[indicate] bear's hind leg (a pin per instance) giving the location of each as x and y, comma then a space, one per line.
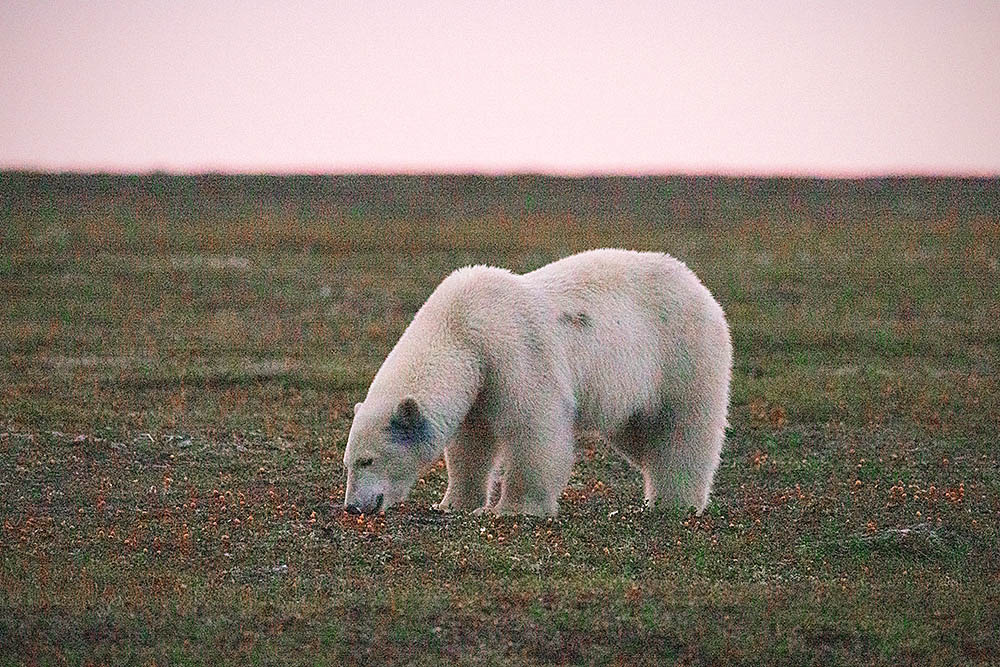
678, 469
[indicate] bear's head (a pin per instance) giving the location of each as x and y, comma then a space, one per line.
387, 446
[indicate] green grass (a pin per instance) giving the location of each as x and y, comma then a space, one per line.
179, 357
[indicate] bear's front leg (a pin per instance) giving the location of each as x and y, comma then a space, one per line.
537, 470
469, 465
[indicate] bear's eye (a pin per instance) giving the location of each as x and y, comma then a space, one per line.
363, 463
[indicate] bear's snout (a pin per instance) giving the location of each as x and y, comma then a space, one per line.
371, 508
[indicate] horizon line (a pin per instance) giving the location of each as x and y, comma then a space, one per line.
567, 174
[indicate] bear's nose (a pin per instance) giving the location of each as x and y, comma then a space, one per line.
352, 508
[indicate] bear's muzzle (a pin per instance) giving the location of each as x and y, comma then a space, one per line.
372, 508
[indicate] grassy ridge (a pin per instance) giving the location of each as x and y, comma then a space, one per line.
180, 356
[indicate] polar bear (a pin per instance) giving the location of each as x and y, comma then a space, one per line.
497, 371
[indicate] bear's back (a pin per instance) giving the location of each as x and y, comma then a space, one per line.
626, 320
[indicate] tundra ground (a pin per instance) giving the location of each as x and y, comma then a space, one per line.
180, 356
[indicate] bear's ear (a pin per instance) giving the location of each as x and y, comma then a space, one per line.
357, 407
407, 425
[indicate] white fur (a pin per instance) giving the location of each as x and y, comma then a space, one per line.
506, 368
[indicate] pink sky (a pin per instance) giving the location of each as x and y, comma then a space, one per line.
827, 88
